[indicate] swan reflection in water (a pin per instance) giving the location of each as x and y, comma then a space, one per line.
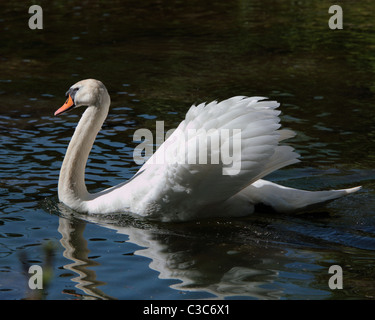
214, 257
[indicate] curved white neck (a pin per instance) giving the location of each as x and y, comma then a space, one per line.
71, 188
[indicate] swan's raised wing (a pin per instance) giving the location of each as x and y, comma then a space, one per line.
219, 149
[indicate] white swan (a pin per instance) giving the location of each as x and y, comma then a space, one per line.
176, 190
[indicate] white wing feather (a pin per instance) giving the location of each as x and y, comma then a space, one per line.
185, 186
174, 184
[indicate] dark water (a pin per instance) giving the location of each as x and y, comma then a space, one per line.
156, 59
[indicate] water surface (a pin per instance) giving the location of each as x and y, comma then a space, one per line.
156, 59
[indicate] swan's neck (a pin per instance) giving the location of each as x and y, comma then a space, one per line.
72, 189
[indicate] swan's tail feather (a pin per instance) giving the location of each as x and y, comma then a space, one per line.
286, 200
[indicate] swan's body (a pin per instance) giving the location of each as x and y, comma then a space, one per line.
180, 188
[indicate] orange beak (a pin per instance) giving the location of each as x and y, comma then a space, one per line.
67, 105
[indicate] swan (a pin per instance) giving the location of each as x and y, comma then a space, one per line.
175, 190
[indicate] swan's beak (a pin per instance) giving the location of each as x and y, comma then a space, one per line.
69, 104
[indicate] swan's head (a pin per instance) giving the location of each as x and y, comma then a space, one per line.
89, 92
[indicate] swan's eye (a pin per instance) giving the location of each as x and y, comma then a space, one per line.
71, 92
